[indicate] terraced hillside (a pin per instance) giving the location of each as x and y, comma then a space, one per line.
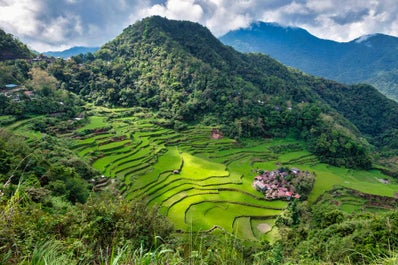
202, 184
194, 179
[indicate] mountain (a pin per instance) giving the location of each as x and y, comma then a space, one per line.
12, 48
369, 59
71, 52
181, 71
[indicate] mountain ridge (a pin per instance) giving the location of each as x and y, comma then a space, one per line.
73, 51
369, 59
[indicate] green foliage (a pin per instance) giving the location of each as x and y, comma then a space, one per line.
335, 146
50, 252
385, 80
81, 233
290, 216
63, 181
38, 93
333, 236
11, 48
109, 229
41, 82
110, 222
43, 164
15, 155
388, 140
354, 104
13, 72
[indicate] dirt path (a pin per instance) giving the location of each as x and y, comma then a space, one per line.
264, 228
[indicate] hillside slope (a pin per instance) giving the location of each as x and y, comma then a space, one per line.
371, 59
180, 70
11, 48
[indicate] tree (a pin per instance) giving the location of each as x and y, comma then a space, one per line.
42, 82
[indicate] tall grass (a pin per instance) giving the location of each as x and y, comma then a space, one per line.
194, 249
50, 252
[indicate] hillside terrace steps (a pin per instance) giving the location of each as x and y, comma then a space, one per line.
133, 153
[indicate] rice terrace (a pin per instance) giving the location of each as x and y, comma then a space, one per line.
203, 183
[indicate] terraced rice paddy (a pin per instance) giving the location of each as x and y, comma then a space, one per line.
351, 200
200, 183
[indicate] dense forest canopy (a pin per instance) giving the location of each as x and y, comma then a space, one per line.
11, 48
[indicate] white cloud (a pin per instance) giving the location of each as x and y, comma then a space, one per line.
49, 23
321, 6
19, 17
220, 16
55, 32
55, 24
176, 9
228, 15
341, 20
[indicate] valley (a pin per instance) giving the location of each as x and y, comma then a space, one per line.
194, 179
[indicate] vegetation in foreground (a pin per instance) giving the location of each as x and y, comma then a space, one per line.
109, 231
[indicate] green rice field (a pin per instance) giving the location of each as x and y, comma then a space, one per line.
204, 184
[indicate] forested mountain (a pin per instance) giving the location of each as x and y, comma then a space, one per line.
11, 48
371, 59
13, 71
183, 72
71, 52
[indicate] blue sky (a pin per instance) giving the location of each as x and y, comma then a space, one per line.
59, 24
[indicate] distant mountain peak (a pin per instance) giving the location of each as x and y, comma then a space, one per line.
71, 51
372, 58
191, 37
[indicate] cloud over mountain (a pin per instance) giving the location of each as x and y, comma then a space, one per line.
47, 24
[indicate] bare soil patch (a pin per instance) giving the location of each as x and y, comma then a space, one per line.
264, 227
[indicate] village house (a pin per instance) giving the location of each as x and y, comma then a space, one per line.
30, 94
11, 86
14, 92
274, 184
216, 134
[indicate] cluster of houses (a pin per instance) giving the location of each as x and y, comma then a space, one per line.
276, 185
14, 92
43, 58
